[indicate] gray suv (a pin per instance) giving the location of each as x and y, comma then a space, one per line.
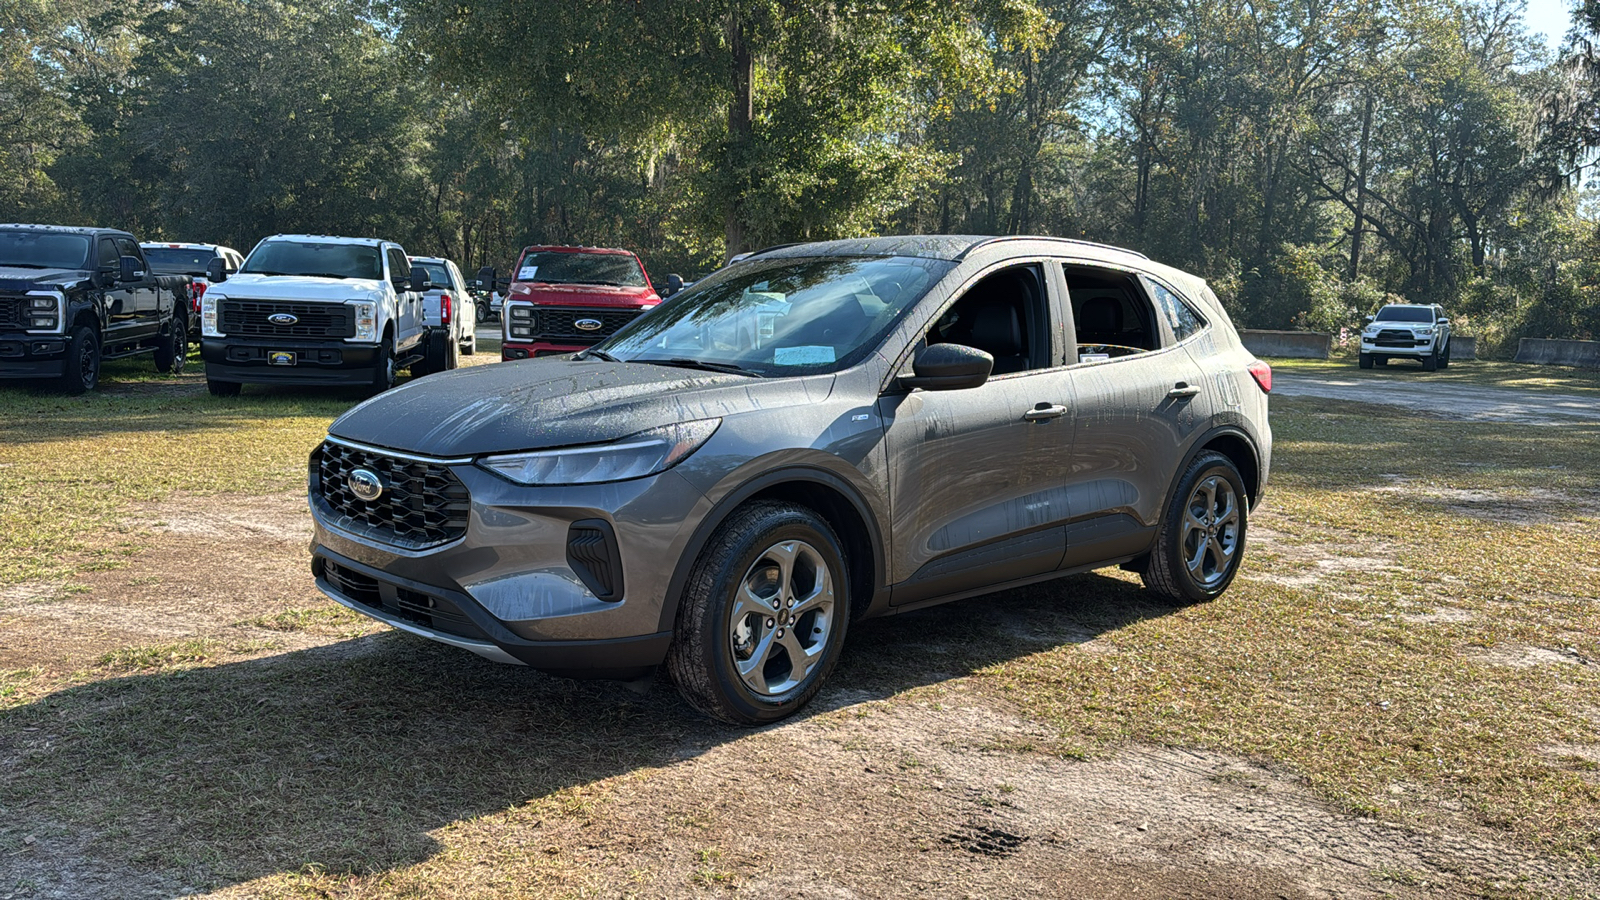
813, 435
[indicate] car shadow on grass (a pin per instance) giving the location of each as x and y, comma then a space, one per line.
346, 756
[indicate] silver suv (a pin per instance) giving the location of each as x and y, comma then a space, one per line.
810, 436
1406, 331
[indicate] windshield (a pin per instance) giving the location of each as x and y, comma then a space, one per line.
314, 258
780, 317
560, 267
43, 250
1405, 314
170, 261
437, 273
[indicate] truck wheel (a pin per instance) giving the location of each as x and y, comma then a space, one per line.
1444, 358
483, 312
81, 369
452, 353
173, 350
383, 370
471, 346
763, 615
1201, 538
223, 388
1364, 360
1430, 362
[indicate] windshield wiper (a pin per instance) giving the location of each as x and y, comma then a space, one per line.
683, 362
12, 265
598, 354
258, 272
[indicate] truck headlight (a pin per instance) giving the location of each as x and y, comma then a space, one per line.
635, 456
44, 314
366, 322
209, 326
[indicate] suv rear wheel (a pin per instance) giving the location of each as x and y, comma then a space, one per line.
763, 615
1201, 540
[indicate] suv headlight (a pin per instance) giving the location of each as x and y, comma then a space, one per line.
366, 321
635, 456
1425, 332
209, 325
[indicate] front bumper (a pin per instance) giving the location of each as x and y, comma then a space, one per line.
508, 588
510, 350
1418, 347
32, 355
244, 360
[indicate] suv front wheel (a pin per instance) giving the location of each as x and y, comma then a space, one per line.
1201, 539
763, 615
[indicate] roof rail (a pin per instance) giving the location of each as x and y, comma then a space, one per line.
1039, 237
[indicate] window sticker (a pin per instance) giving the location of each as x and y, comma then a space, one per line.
810, 355
527, 272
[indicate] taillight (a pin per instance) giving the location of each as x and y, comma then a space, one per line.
444, 309
1262, 373
197, 289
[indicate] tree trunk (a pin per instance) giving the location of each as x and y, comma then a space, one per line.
741, 119
1361, 194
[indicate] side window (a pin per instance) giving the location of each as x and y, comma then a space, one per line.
108, 253
1181, 317
126, 247
1005, 315
1111, 314
399, 267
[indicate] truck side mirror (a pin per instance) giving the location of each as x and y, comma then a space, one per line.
128, 269
419, 279
486, 278
674, 285
216, 271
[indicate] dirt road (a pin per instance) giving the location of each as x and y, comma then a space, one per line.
1451, 400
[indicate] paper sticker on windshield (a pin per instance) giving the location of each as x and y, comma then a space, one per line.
527, 272
803, 356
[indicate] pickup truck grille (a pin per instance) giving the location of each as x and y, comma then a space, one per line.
250, 318
11, 310
560, 325
1395, 337
423, 504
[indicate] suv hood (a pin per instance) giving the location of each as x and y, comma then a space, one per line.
21, 279
297, 287
555, 402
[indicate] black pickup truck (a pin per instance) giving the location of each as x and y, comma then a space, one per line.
73, 297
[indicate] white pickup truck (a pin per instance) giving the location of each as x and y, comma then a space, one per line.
313, 309
450, 314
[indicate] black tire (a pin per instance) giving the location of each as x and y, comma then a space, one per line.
452, 353
1364, 360
713, 622
1380, 361
435, 354
223, 388
482, 312
173, 350
471, 346
1430, 363
1185, 537
1444, 357
81, 368
383, 370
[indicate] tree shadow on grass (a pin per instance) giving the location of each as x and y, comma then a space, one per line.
346, 756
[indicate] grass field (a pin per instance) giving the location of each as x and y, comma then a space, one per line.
1415, 642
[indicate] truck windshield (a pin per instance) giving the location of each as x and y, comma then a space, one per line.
1405, 314
314, 259
43, 250
781, 316
175, 261
565, 267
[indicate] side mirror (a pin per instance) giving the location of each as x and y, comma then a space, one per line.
216, 271
1443, 322
419, 279
949, 367
128, 269
1368, 319
674, 285
486, 278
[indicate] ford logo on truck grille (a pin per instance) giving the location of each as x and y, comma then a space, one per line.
283, 319
587, 324
365, 484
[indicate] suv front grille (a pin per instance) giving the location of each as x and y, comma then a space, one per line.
560, 325
1395, 337
249, 318
11, 311
423, 504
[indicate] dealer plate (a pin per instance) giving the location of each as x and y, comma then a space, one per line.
280, 357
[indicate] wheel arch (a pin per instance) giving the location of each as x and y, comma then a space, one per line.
1237, 445
830, 496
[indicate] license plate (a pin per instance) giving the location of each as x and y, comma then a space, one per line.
280, 357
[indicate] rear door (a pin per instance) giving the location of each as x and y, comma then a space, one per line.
408, 311
122, 321
145, 300
1140, 400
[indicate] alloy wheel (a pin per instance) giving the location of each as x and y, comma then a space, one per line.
783, 611
1211, 531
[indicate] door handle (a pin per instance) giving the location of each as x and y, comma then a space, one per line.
1183, 390
1043, 412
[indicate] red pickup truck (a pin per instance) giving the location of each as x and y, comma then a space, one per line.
563, 299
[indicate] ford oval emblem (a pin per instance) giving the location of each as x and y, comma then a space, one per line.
283, 319
588, 324
365, 484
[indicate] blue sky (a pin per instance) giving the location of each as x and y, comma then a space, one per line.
1551, 17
